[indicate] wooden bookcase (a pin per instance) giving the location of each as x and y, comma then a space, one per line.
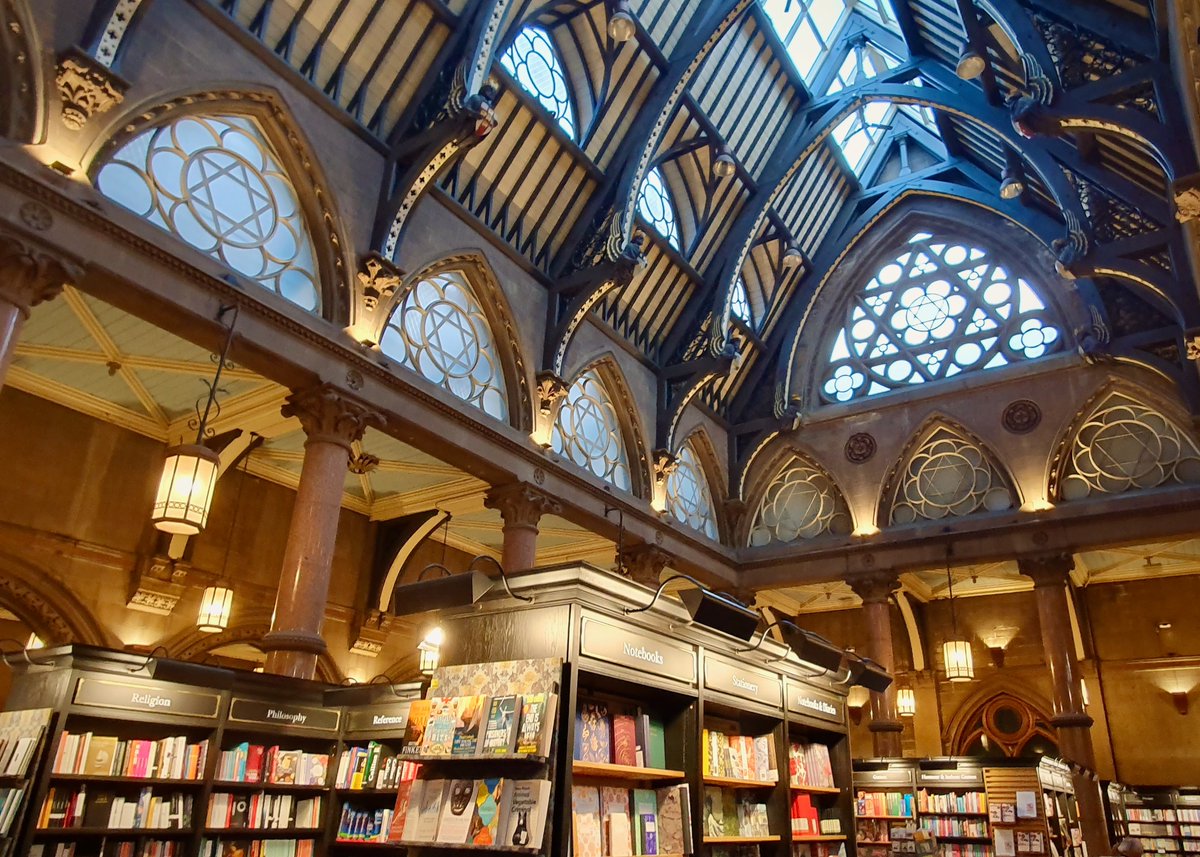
875, 816
952, 803
1166, 820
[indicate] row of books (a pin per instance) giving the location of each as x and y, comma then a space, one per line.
481, 725
71, 808
10, 803
364, 825
115, 848
610, 821
1192, 815
876, 804
809, 765
744, 757
951, 802
1153, 828
1137, 813
809, 820
872, 830
633, 738
946, 826
476, 812
375, 766
258, 848
729, 813
263, 811
254, 763
108, 756
818, 849
1190, 831
16, 749
1158, 844
958, 849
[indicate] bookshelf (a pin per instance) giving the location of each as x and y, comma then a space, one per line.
952, 804
22, 744
1166, 820
884, 799
1062, 813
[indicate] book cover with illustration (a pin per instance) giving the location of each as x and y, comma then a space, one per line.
714, 811
537, 723
458, 810
500, 733
670, 820
439, 730
586, 829
468, 724
593, 736
414, 730
624, 740
486, 823
524, 807
615, 821
645, 820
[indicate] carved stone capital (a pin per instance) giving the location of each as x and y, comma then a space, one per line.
521, 504
1187, 198
1052, 570
875, 587
375, 283
157, 584
644, 563
86, 88
329, 416
372, 633
1191, 342
551, 390
29, 275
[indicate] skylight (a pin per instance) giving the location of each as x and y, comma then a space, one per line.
809, 28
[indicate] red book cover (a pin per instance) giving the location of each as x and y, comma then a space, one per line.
624, 740
254, 763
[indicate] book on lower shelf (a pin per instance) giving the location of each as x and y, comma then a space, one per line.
368, 824
116, 847
609, 821
728, 812
482, 811
241, 847
98, 808
263, 811
818, 849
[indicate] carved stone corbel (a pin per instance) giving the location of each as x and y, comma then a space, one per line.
375, 283
157, 584
371, 633
86, 88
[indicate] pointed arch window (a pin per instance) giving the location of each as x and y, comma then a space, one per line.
938, 309
587, 430
801, 502
655, 204
216, 182
739, 302
440, 331
533, 62
949, 476
688, 496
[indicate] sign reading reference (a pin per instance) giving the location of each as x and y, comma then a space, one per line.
132, 696
379, 718
809, 701
636, 650
740, 681
279, 714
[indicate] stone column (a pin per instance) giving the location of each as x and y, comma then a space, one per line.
644, 563
1071, 721
28, 276
521, 507
332, 422
876, 590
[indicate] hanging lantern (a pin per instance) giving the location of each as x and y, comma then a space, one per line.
215, 607
906, 702
960, 666
185, 490
429, 650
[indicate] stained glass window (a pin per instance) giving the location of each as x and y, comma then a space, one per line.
688, 497
654, 204
440, 330
1124, 445
533, 62
217, 183
739, 302
800, 503
949, 475
938, 309
588, 431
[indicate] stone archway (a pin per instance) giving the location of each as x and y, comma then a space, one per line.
50, 609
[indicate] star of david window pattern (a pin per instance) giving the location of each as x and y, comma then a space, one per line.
655, 205
739, 303
801, 502
688, 497
949, 476
216, 182
1126, 446
940, 308
533, 62
440, 331
588, 431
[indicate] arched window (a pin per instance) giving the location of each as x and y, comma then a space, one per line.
655, 204
216, 182
938, 309
739, 302
949, 475
587, 430
801, 502
440, 331
533, 62
1124, 445
688, 496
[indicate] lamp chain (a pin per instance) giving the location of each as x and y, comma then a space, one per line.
237, 511
213, 388
950, 584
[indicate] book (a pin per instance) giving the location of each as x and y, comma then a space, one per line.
458, 808
656, 755
685, 805
586, 828
101, 754
500, 733
524, 807
624, 740
439, 730
645, 815
714, 812
406, 793
670, 820
537, 724
428, 812
485, 825
649, 840
593, 738
286, 767
414, 730
615, 823
470, 712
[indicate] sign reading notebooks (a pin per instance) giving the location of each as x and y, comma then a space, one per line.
379, 718
628, 647
740, 681
132, 696
280, 714
814, 703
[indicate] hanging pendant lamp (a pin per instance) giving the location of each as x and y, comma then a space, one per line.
906, 702
216, 605
956, 652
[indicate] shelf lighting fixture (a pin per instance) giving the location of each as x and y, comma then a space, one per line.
867, 673
906, 702
449, 590
956, 652
807, 646
622, 26
711, 609
970, 64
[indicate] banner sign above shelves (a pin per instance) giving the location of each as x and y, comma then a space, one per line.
156, 699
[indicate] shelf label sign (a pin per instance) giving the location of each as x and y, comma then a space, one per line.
739, 681
379, 718
891, 778
134, 696
809, 701
279, 714
973, 777
628, 647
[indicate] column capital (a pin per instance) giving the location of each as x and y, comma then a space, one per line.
521, 504
644, 563
330, 416
86, 87
30, 275
1051, 570
875, 587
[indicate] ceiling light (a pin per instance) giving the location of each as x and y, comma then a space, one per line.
622, 26
956, 653
906, 702
970, 64
792, 258
724, 166
1164, 626
710, 609
215, 607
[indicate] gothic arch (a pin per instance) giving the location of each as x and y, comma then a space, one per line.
47, 606
297, 157
710, 471
23, 82
782, 455
976, 716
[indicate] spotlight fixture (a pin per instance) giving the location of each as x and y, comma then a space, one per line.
184, 672
867, 673
724, 166
906, 702
429, 650
710, 609
1180, 698
1012, 180
792, 257
858, 697
440, 593
622, 26
970, 64
807, 646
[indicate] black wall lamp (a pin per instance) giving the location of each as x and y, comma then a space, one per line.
807, 646
449, 590
710, 609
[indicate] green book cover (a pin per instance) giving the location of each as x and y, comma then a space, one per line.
645, 803
657, 755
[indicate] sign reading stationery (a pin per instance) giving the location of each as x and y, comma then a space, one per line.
636, 650
135, 696
281, 714
737, 680
809, 701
